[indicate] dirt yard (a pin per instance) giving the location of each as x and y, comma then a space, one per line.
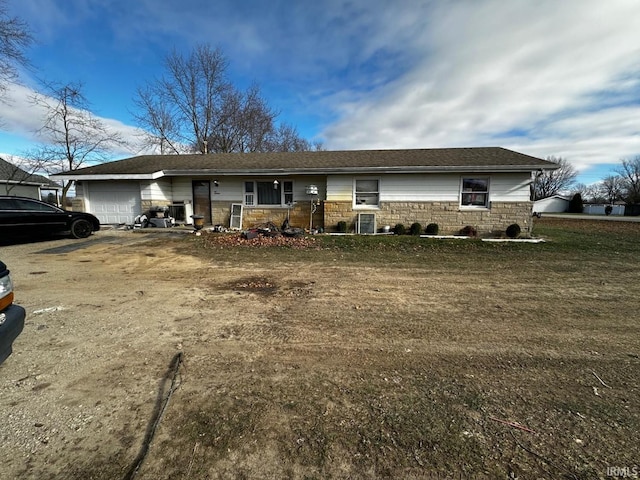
417, 362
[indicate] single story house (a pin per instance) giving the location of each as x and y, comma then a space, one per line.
19, 183
486, 187
552, 204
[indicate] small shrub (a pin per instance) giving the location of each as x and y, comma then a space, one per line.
608, 209
399, 229
415, 229
575, 204
513, 230
341, 227
469, 231
432, 229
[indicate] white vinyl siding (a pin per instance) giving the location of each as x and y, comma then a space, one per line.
555, 204
20, 190
510, 187
157, 190
340, 188
182, 190
436, 187
229, 189
420, 188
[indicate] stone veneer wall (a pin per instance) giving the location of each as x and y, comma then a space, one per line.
448, 215
298, 217
77, 205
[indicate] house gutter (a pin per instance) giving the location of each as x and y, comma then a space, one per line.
29, 184
110, 176
352, 171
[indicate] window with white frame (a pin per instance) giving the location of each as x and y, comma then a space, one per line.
268, 193
474, 193
367, 192
249, 196
287, 190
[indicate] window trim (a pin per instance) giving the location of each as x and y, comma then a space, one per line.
363, 206
255, 193
247, 194
287, 193
487, 193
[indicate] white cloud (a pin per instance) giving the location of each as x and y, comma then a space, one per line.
492, 67
545, 77
20, 116
17, 113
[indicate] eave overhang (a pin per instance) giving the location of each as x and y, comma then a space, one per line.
302, 171
353, 171
110, 176
29, 184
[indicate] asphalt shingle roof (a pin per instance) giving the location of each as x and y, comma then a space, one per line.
438, 159
11, 172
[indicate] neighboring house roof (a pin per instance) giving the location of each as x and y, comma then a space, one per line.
480, 159
552, 204
554, 197
10, 173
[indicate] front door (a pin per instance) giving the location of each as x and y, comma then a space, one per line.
202, 199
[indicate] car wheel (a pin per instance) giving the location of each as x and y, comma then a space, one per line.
81, 228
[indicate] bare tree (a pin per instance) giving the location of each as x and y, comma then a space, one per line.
72, 135
285, 138
245, 123
593, 193
249, 125
630, 177
194, 107
14, 39
158, 122
611, 188
553, 182
182, 109
584, 191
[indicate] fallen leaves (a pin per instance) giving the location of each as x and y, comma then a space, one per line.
231, 240
255, 283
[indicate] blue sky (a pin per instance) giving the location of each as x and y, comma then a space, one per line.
543, 77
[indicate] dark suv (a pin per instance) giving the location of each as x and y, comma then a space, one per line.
11, 316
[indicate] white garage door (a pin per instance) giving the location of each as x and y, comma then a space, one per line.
115, 202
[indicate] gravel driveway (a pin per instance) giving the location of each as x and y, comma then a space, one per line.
99, 335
